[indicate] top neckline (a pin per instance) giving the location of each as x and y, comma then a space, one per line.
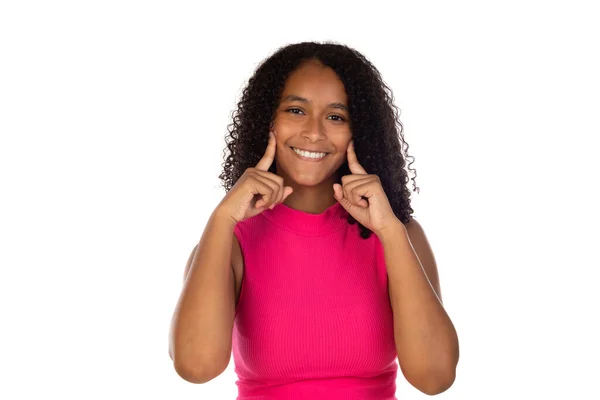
304, 223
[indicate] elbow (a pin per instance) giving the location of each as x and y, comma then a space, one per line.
191, 374
198, 373
438, 385
194, 368
435, 383
435, 376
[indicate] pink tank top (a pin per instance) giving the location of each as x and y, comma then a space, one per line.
314, 319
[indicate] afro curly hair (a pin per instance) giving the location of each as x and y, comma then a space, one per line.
375, 124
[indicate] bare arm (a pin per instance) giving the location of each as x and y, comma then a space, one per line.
200, 341
202, 324
425, 337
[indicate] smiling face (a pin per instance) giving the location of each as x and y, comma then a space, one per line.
312, 116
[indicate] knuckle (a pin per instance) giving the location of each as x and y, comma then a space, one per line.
275, 177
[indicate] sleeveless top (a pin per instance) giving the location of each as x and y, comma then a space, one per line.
314, 319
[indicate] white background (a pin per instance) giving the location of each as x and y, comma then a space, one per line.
113, 116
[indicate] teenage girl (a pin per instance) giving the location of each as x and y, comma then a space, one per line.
312, 271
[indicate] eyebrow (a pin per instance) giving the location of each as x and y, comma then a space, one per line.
293, 97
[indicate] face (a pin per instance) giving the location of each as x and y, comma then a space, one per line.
312, 126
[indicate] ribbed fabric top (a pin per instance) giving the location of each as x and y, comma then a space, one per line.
314, 320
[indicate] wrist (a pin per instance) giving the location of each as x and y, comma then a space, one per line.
392, 231
222, 217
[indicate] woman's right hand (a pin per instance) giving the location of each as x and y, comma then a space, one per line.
256, 190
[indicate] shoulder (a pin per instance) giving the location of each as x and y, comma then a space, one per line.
414, 228
422, 247
416, 232
253, 231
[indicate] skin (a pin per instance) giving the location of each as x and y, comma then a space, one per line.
321, 123
314, 124
425, 338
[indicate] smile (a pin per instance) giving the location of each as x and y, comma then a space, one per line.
309, 155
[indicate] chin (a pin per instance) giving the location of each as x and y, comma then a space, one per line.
309, 181
306, 175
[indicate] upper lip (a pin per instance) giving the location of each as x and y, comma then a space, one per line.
312, 151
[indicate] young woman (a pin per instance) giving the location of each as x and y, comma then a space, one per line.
311, 270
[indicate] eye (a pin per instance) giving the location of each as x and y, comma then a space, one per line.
337, 117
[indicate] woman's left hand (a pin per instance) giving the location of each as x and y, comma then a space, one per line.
363, 196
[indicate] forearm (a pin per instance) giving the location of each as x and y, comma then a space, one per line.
203, 320
425, 338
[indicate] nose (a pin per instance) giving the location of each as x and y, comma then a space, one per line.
314, 131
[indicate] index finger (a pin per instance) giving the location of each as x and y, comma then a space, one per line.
265, 162
353, 163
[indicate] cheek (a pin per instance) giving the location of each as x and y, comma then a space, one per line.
342, 145
278, 150
282, 122
345, 138
282, 132
340, 159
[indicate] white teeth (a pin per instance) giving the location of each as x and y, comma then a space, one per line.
309, 154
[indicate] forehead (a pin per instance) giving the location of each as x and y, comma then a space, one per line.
315, 81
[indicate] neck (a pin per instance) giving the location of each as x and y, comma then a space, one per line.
312, 200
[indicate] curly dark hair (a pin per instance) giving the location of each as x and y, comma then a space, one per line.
375, 124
